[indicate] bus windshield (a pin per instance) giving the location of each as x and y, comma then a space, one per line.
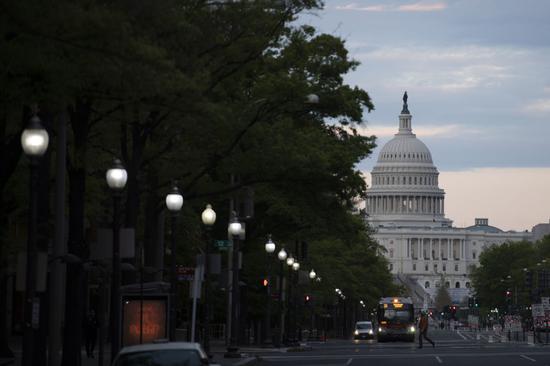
397, 315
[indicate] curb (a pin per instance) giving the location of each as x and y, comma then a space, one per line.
247, 361
7, 362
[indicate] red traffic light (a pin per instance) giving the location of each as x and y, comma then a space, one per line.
265, 282
307, 298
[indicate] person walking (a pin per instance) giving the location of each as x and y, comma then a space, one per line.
423, 329
91, 325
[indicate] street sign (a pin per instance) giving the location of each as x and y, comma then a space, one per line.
537, 310
223, 244
185, 273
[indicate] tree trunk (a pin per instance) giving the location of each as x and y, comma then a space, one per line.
44, 235
75, 287
154, 228
10, 153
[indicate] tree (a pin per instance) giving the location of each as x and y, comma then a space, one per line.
196, 91
442, 297
501, 269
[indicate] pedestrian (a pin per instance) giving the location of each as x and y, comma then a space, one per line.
423, 329
91, 325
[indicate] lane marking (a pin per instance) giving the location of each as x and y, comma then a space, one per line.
349, 362
528, 358
401, 356
460, 334
438, 359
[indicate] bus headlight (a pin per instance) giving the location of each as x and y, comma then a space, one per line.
356, 332
370, 331
412, 329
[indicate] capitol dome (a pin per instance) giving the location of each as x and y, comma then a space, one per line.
405, 189
405, 148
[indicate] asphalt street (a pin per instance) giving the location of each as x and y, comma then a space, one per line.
452, 348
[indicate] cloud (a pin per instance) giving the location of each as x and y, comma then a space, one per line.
441, 54
448, 69
538, 106
434, 130
422, 6
357, 7
413, 7
453, 79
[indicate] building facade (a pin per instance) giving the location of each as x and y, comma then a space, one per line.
406, 208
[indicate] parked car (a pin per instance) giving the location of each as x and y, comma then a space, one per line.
363, 330
162, 354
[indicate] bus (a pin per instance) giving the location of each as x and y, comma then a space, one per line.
396, 319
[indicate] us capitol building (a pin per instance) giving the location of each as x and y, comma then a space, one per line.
406, 208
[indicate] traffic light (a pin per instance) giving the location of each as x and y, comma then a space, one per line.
265, 283
307, 299
470, 302
452, 309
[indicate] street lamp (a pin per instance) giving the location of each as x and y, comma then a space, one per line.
312, 99
34, 141
174, 203
282, 256
116, 178
234, 229
208, 217
269, 248
290, 261
269, 245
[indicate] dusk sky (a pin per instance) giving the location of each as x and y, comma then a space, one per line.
477, 74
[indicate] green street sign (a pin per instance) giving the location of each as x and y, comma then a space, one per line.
222, 244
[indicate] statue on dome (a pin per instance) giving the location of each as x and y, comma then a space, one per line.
405, 106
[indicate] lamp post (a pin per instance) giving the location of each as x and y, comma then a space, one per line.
235, 228
208, 219
295, 268
116, 180
282, 259
289, 263
174, 202
34, 141
312, 276
269, 248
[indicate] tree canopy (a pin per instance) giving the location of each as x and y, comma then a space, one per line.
503, 268
195, 92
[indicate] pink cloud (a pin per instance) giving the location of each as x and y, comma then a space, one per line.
414, 7
422, 6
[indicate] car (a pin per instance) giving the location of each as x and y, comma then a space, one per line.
363, 330
163, 354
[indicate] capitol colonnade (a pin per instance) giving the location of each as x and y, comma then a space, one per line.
398, 204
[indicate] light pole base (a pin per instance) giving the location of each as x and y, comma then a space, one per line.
232, 352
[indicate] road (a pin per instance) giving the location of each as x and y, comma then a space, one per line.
452, 349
